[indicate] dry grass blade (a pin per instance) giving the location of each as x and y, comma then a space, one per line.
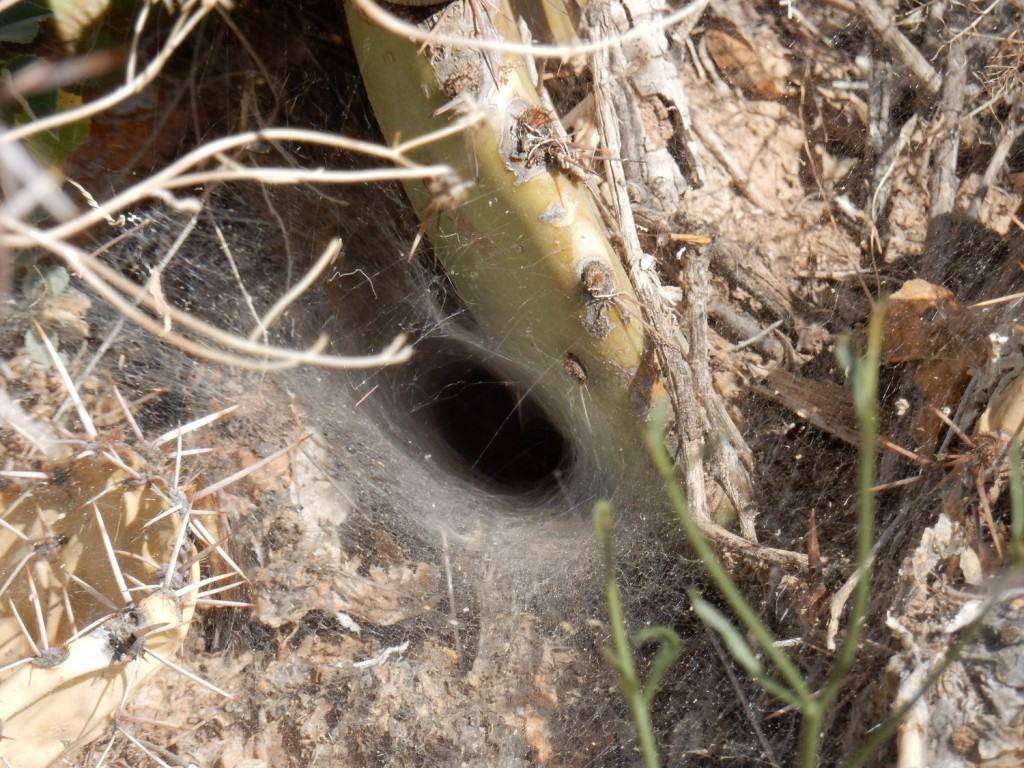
997, 301
387, 20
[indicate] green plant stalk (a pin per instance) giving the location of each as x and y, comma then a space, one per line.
812, 706
885, 731
514, 259
864, 382
666, 655
728, 589
621, 655
1016, 505
880, 735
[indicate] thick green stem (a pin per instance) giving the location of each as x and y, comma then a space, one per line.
525, 249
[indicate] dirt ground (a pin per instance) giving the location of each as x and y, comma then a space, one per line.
403, 614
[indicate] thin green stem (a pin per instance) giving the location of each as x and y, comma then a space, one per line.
864, 381
1016, 505
621, 655
810, 733
877, 737
777, 689
666, 655
728, 589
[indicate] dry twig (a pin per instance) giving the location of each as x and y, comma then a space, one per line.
108, 282
666, 338
882, 23
388, 21
189, 18
174, 175
944, 180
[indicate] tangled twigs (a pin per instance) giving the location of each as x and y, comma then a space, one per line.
691, 420
192, 12
883, 25
667, 340
127, 296
113, 287
175, 175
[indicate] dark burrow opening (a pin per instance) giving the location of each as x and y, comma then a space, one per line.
495, 429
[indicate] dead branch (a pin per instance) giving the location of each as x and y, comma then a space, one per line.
171, 177
944, 181
1012, 130
882, 180
667, 340
727, 468
746, 267
885, 27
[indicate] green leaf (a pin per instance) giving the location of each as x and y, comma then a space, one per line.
669, 648
20, 23
733, 640
44, 282
52, 147
36, 349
